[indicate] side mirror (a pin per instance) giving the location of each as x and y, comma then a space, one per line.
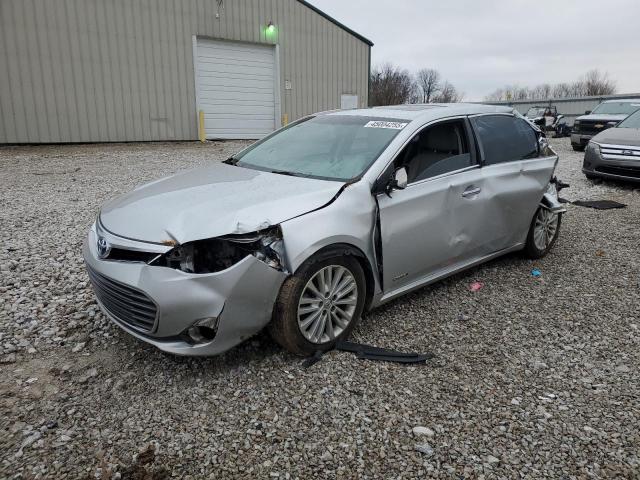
400, 179
391, 180
587, 112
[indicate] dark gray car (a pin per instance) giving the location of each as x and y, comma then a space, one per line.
615, 153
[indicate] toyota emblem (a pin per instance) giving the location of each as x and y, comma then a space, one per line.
103, 247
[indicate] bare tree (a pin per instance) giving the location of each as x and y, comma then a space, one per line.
428, 81
561, 90
577, 89
509, 92
497, 95
447, 94
592, 83
597, 83
391, 85
541, 92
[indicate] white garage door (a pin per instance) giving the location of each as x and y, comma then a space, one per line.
236, 88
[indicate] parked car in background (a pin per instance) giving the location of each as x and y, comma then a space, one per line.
543, 117
615, 153
334, 214
606, 115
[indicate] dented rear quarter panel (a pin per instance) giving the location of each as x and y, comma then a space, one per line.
513, 191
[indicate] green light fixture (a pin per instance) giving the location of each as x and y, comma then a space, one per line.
271, 28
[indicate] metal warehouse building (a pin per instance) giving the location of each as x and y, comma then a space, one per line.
142, 70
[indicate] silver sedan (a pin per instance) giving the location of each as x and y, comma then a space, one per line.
332, 215
615, 153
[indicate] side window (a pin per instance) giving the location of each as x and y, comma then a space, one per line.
505, 138
436, 150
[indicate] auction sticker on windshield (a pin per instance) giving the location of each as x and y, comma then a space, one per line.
381, 124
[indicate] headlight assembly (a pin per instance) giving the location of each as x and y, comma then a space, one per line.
593, 147
217, 254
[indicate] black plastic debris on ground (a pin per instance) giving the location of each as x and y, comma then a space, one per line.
598, 204
369, 352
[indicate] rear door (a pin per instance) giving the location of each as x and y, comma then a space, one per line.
516, 172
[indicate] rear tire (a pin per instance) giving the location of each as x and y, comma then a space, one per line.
543, 233
578, 148
590, 176
312, 312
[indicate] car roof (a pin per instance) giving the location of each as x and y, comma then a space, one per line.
431, 111
623, 100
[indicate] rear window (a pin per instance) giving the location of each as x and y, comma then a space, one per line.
505, 138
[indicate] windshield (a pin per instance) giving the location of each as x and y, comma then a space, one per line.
331, 147
617, 107
535, 112
632, 121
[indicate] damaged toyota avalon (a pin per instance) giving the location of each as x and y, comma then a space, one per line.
330, 216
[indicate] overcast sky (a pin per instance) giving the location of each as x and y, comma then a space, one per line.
480, 45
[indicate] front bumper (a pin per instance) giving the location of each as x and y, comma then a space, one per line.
240, 297
580, 139
615, 169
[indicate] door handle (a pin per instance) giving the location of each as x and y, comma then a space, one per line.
471, 191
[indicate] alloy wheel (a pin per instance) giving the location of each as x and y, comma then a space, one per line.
545, 228
327, 304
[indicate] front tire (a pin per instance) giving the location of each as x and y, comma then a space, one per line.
578, 148
319, 305
543, 233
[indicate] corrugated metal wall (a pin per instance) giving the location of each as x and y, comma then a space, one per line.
122, 70
569, 107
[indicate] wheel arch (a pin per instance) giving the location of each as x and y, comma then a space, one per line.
339, 249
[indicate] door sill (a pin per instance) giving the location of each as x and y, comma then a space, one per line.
440, 274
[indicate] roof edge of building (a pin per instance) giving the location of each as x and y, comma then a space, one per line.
336, 22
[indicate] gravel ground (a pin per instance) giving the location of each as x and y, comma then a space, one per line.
533, 377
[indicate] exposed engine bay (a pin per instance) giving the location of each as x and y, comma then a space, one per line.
217, 254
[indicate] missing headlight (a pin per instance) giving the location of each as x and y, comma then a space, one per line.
217, 254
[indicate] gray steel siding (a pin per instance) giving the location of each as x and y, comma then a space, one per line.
122, 70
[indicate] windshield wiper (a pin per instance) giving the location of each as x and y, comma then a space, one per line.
231, 160
284, 172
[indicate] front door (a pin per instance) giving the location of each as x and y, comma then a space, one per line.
437, 221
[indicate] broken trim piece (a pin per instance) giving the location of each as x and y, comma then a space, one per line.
369, 352
599, 204
551, 203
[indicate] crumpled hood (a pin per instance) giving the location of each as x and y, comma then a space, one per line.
603, 117
619, 136
212, 201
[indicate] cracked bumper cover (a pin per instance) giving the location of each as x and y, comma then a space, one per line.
240, 297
